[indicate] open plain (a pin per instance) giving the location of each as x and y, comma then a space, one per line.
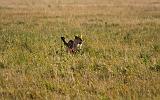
119, 60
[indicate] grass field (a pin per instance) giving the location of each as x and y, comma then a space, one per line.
119, 60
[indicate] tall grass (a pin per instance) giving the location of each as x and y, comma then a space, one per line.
120, 57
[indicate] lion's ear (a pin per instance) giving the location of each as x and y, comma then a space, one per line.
76, 37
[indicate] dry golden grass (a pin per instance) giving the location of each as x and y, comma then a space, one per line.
120, 58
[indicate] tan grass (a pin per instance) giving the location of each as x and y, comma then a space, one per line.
120, 58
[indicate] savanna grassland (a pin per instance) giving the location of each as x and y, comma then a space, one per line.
119, 59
